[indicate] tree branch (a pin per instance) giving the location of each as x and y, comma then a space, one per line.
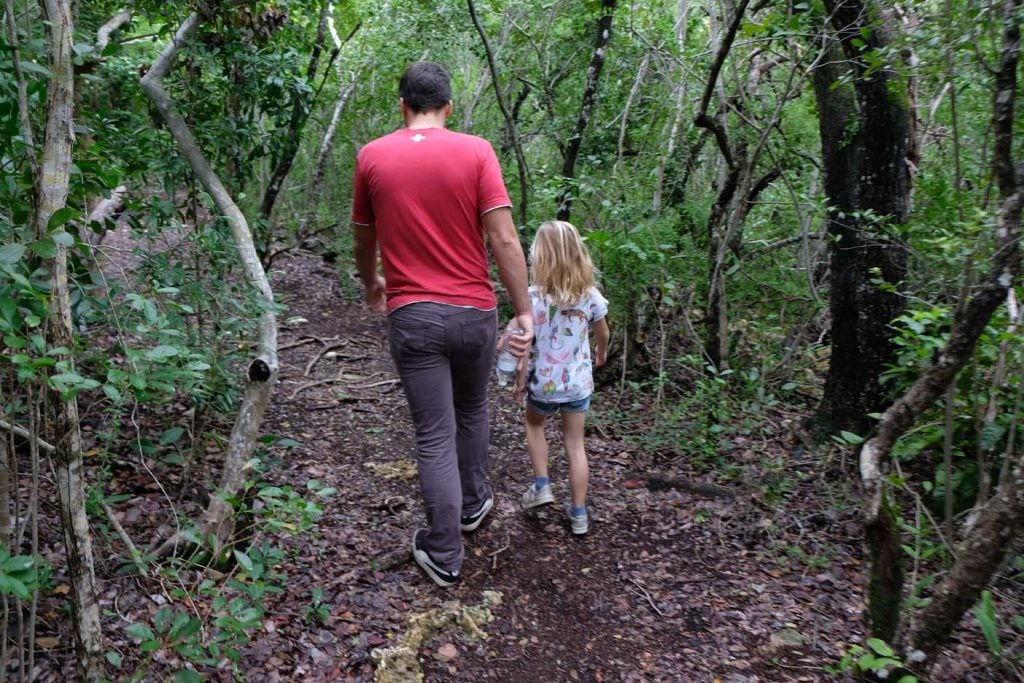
510, 122
24, 121
105, 31
716, 66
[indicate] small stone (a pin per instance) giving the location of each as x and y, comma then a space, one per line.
786, 639
447, 652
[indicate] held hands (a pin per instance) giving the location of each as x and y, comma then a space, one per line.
520, 344
519, 388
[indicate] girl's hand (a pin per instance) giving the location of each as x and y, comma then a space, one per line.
519, 388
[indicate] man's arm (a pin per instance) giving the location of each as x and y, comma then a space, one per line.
508, 254
364, 248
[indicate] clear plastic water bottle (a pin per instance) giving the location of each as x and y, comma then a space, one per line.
505, 368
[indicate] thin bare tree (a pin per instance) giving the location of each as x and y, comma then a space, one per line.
218, 521
51, 195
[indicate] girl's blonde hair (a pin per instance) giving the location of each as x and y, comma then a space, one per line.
562, 269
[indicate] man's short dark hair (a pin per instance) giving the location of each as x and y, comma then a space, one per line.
425, 86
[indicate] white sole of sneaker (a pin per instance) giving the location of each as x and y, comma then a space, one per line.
481, 515
427, 565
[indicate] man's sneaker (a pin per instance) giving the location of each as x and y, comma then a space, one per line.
579, 525
442, 577
535, 497
476, 519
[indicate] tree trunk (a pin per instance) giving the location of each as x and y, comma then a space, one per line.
572, 148
867, 184
51, 195
218, 520
320, 167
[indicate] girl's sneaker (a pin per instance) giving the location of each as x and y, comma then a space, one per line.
535, 497
580, 524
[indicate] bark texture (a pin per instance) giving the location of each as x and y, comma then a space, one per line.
51, 195
864, 145
217, 527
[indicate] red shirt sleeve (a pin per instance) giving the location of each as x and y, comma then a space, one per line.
362, 207
491, 192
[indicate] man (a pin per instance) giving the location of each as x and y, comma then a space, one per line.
426, 196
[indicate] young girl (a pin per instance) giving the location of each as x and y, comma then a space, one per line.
559, 378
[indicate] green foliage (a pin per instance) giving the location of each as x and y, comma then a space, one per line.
877, 659
920, 335
20, 575
237, 604
985, 613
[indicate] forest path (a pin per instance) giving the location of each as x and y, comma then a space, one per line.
667, 586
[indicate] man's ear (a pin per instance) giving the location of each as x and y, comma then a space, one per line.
448, 109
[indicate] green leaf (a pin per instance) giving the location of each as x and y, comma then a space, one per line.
112, 393
985, 613
8, 309
19, 563
44, 248
59, 218
243, 560
139, 632
9, 584
11, 254
171, 436
850, 437
114, 659
162, 352
880, 647
33, 68
63, 238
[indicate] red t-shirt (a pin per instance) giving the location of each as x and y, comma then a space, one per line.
425, 190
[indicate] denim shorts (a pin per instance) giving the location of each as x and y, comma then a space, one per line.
547, 409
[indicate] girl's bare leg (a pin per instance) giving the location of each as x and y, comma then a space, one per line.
579, 470
536, 443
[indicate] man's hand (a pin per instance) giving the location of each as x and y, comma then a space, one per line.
520, 344
374, 296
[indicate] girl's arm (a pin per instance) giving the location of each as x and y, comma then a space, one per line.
519, 388
602, 334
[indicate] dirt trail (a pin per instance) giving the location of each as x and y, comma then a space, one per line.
668, 585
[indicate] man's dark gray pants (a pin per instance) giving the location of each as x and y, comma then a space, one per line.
444, 356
